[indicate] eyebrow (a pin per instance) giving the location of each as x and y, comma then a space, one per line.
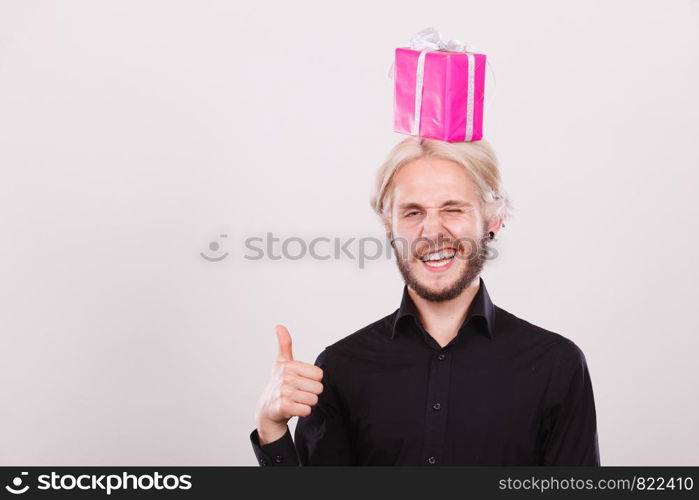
448, 203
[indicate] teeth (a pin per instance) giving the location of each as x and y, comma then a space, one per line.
438, 264
444, 254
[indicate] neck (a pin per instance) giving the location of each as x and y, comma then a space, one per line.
443, 319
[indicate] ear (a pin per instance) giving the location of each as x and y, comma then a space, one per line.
387, 226
495, 225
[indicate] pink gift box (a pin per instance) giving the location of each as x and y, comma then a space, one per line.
451, 104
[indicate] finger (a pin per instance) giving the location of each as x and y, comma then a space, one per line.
284, 343
306, 370
293, 409
303, 397
305, 384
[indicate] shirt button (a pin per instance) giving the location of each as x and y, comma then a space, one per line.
278, 459
442, 356
431, 460
436, 407
263, 461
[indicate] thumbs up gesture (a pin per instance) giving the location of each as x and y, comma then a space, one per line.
291, 391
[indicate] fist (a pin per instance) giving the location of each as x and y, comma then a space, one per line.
292, 391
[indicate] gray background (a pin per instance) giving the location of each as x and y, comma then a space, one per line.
132, 134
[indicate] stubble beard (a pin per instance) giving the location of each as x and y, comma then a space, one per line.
474, 266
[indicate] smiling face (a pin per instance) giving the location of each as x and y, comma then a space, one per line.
438, 228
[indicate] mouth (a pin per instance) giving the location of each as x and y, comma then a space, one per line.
439, 260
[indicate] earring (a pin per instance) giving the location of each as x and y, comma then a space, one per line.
491, 235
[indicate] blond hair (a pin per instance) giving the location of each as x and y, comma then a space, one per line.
478, 158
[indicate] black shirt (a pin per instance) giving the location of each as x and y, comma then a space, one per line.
502, 392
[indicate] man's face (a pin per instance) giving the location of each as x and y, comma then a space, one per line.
438, 228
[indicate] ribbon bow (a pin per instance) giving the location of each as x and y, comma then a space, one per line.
429, 39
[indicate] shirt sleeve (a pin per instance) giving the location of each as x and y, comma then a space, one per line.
570, 421
279, 452
321, 438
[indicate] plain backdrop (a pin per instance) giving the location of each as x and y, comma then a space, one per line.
133, 134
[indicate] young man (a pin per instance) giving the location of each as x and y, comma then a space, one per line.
448, 378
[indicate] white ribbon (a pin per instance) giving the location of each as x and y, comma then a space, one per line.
429, 40
418, 92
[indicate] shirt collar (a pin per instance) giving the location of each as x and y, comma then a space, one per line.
481, 307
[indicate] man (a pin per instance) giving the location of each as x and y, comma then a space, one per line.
448, 378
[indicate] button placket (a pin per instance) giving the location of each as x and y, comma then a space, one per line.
436, 418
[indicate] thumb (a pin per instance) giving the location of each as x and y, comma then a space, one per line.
284, 342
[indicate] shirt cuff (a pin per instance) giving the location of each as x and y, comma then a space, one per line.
279, 452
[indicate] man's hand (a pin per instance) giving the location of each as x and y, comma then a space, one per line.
292, 390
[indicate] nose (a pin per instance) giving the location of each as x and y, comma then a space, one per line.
432, 227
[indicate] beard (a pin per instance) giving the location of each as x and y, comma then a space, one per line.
474, 266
